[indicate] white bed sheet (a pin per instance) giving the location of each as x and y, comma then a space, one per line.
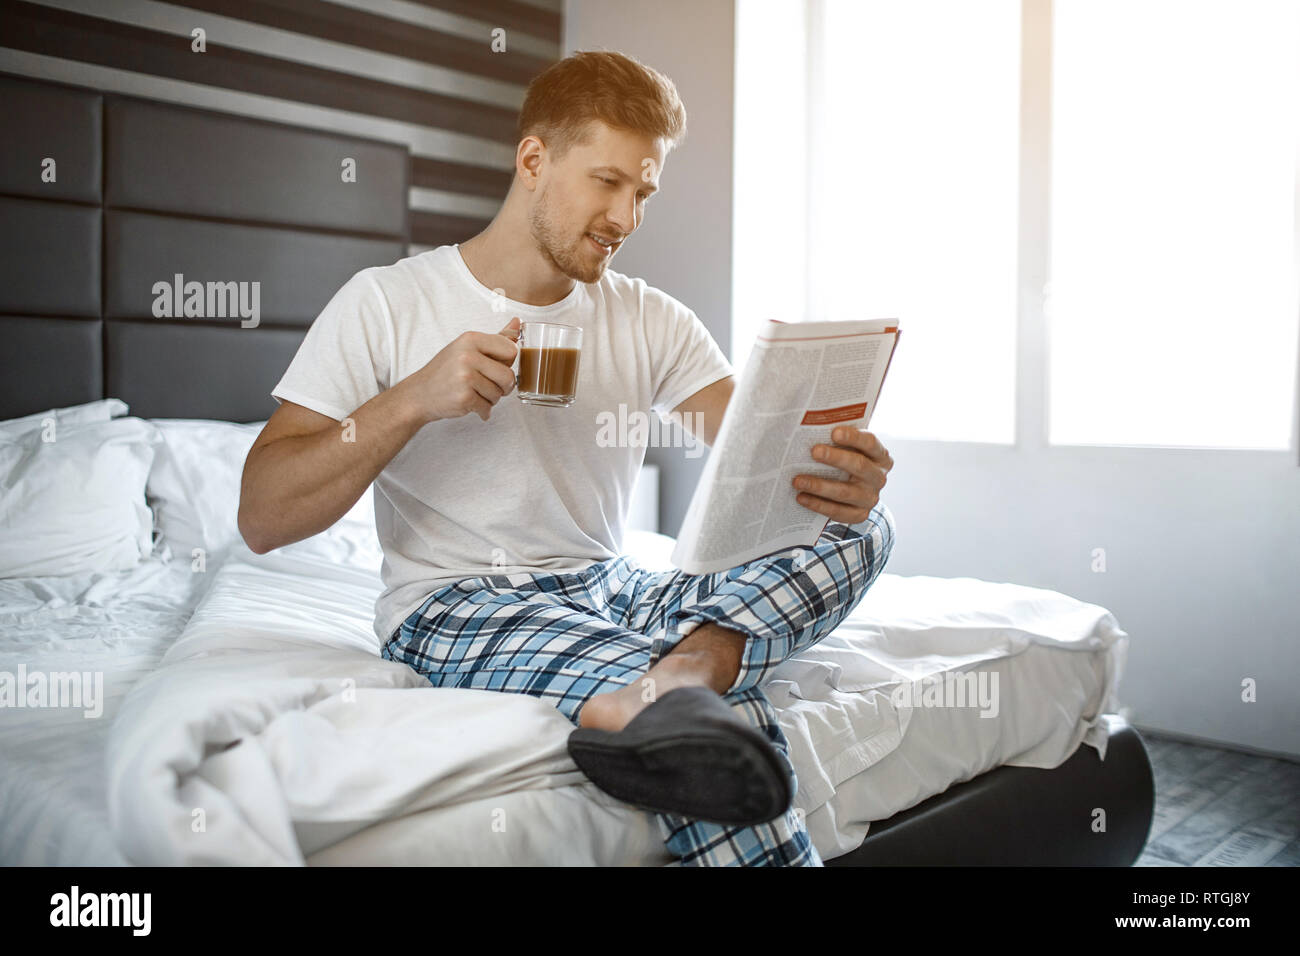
860, 756
53, 810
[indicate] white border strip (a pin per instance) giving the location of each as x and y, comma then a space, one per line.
297, 48
422, 140
452, 204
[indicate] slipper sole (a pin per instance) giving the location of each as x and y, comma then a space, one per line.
721, 777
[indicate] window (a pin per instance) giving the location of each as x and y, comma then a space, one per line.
770, 203
878, 149
1173, 309
898, 174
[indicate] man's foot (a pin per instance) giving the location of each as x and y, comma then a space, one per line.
614, 710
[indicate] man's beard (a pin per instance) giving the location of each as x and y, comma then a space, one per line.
569, 259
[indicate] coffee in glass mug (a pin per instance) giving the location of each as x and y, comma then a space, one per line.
548, 363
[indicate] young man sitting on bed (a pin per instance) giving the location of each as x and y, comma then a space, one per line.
502, 523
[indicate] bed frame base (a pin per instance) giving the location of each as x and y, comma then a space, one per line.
1022, 816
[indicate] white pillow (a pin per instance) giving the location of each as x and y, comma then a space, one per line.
194, 489
194, 486
75, 504
650, 549
101, 411
352, 540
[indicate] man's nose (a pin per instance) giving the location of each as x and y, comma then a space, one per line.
623, 215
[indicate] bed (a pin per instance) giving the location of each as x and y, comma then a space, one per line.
243, 714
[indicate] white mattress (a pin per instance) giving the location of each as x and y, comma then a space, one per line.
860, 752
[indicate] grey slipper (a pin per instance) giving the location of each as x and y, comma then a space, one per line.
688, 754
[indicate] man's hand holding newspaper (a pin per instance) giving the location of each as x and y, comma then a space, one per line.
808, 388
858, 453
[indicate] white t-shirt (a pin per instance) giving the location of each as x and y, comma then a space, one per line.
532, 489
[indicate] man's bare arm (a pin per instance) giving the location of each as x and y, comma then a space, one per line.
306, 469
711, 403
301, 475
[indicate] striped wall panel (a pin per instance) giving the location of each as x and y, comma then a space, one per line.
418, 72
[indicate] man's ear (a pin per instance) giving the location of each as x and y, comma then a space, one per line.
528, 161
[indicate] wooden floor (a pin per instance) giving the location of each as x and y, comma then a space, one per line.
1221, 808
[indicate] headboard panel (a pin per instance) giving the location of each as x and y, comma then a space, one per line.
146, 191
197, 371
198, 163
297, 271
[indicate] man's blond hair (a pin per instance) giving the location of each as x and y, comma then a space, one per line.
599, 85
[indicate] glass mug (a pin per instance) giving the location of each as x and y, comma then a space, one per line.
548, 363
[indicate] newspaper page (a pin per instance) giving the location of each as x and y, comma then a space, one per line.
801, 380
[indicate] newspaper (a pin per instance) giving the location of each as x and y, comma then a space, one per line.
802, 379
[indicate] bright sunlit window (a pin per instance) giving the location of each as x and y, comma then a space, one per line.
770, 181
902, 201
1173, 306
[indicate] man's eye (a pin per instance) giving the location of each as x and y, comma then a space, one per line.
610, 182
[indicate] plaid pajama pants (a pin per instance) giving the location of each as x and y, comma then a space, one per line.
568, 636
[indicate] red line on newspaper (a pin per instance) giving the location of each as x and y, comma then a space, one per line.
845, 413
814, 338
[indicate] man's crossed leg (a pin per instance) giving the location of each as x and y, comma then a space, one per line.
589, 640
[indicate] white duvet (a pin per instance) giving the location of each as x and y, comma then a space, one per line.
272, 733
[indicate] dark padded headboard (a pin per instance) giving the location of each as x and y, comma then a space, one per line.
145, 191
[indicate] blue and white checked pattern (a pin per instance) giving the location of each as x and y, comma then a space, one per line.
567, 637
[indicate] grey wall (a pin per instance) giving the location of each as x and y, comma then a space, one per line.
1202, 548
684, 245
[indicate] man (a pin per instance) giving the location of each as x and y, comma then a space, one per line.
502, 523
